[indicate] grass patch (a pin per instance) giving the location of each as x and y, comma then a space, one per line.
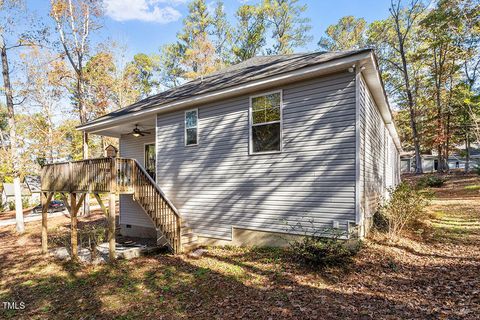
472, 187
201, 272
456, 223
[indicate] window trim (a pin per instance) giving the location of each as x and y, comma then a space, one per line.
250, 123
145, 158
185, 128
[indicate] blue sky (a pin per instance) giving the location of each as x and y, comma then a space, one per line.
144, 25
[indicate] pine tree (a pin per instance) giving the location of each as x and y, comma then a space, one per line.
289, 29
193, 37
250, 32
349, 33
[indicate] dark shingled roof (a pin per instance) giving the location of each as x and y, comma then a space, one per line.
252, 69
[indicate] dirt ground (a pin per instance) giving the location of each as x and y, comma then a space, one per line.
6, 215
432, 273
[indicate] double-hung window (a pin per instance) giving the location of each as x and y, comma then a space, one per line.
266, 123
191, 127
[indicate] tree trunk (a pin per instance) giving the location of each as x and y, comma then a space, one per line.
467, 153
416, 143
13, 138
411, 108
447, 144
50, 137
440, 128
83, 119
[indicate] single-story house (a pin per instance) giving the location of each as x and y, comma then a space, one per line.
249, 151
456, 161
8, 194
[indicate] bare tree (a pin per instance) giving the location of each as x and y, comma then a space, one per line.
404, 20
74, 20
11, 38
12, 136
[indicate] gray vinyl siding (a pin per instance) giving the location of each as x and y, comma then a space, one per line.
130, 211
379, 157
217, 185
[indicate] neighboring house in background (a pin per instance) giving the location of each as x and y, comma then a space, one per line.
271, 141
33, 183
456, 161
8, 194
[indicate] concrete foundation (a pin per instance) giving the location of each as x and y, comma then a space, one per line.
245, 237
240, 237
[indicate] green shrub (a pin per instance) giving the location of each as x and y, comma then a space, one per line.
318, 252
324, 248
25, 202
11, 204
430, 181
380, 221
404, 207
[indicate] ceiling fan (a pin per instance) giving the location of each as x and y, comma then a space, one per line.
137, 132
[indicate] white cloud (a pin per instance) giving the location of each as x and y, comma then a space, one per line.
170, 2
143, 10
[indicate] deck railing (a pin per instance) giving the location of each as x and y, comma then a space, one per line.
129, 177
91, 175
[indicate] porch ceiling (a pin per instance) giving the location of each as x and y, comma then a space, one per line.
144, 124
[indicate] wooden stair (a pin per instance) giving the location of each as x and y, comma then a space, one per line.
122, 176
172, 230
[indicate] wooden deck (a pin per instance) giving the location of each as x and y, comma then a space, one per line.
90, 176
115, 176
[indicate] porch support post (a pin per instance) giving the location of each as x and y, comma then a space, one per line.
111, 227
73, 223
112, 211
46, 198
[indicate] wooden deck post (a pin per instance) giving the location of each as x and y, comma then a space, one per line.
46, 198
73, 223
112, 211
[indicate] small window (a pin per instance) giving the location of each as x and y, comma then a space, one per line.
191, 127
266, 123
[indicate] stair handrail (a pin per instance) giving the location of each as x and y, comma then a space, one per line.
178, 246
167, 200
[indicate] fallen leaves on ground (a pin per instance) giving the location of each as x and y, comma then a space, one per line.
433, 273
